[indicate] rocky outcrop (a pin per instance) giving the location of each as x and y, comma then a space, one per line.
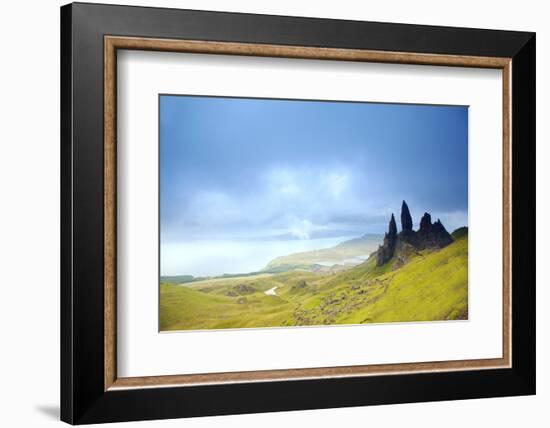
408, 241
403, 253
239, 290
432, 235
406, 219
386, 250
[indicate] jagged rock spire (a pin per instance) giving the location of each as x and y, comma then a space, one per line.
432, 235
406, 219
393, 226
386, 250
425, 222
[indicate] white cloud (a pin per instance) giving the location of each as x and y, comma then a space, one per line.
301, 229
284, 200
283, 182
337, 183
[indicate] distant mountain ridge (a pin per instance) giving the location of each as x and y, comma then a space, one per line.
339, 254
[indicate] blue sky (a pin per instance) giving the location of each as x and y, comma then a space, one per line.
237, 168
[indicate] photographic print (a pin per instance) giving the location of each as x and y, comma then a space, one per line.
293, 213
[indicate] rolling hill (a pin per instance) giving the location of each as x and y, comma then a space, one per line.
426, 285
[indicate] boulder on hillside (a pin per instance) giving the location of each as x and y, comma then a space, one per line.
239, 290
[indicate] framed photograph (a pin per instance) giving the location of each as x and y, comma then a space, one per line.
265, 213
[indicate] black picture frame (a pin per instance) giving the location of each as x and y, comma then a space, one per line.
83, 398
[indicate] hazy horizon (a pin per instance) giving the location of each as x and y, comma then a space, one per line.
243, 178
237, 256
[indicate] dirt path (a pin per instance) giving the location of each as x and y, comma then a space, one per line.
271, 291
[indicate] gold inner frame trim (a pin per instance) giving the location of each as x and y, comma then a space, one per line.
113, 43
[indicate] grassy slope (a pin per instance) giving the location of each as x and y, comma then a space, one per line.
432, 286
184, 308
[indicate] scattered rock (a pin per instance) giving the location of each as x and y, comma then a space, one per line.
300, 284
239, 290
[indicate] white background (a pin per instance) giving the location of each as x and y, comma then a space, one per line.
142, 351
29, 218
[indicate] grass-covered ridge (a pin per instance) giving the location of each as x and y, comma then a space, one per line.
430, 286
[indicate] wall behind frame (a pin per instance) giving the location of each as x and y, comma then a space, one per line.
29, 218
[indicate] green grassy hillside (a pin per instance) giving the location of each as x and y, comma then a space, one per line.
461, 232
430, 286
